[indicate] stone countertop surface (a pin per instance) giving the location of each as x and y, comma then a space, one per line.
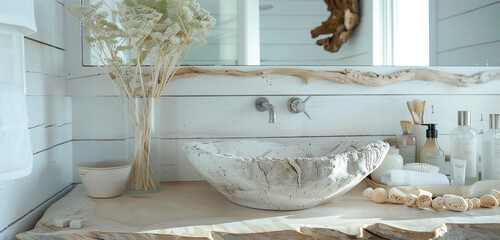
195, 210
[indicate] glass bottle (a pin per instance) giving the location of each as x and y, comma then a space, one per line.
431, 153
490, 150
463, 146
406, 143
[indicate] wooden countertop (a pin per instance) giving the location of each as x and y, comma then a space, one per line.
196, 210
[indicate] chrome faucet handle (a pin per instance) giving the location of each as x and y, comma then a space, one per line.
296, 105
262, 105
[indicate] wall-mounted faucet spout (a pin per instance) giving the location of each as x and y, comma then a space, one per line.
262, 104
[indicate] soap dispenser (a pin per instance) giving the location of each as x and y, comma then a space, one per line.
463, 146
431, 153
490, 150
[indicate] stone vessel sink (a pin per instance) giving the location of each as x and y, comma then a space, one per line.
273, 176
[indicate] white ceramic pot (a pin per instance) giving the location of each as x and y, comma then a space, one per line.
391, 161
104, 179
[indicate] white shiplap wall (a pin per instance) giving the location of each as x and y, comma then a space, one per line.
23, 201
467, 32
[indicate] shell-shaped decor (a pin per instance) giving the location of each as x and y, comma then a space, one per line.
269, 175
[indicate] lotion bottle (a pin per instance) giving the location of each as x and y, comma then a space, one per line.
490, 150
406, 143
431, 153
463, 146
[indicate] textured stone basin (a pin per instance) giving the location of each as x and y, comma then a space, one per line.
268, 175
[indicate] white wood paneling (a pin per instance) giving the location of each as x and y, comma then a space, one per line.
49, 121
302, 53
49, 22
43, 59
479, 55
45, 84
43, 110
471, 28
295, 8
50, 174
200, 117
98, 114
295, 22
449, 8
45, 73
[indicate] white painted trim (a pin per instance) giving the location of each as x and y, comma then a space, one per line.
248, 32
383, 38
29, 220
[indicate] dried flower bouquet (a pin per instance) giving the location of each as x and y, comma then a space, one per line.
141, 45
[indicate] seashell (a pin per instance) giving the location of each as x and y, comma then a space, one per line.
396, 196
495, 193
455, 203
418, 191
379, 195
470, 205
489, 201
437, 203
367, 193
410, 200
475, 202
424, 201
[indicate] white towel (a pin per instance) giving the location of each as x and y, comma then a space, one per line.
412, 178
18, 14
16, 157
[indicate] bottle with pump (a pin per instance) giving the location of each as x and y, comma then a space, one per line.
463, 146
406, 143
431, 153
490, 150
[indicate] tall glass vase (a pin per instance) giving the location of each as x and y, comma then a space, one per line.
141, 114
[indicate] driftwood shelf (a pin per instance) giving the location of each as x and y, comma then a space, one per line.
351, 76
195, 210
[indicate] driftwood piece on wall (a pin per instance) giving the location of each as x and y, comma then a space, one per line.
351, 76
344, 17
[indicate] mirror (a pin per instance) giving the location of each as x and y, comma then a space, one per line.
390, 33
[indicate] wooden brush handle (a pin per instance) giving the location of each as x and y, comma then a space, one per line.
422, 116
411, 112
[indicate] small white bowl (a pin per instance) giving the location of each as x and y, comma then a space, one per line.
104, 179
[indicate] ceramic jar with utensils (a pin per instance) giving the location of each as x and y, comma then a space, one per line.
417, 115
